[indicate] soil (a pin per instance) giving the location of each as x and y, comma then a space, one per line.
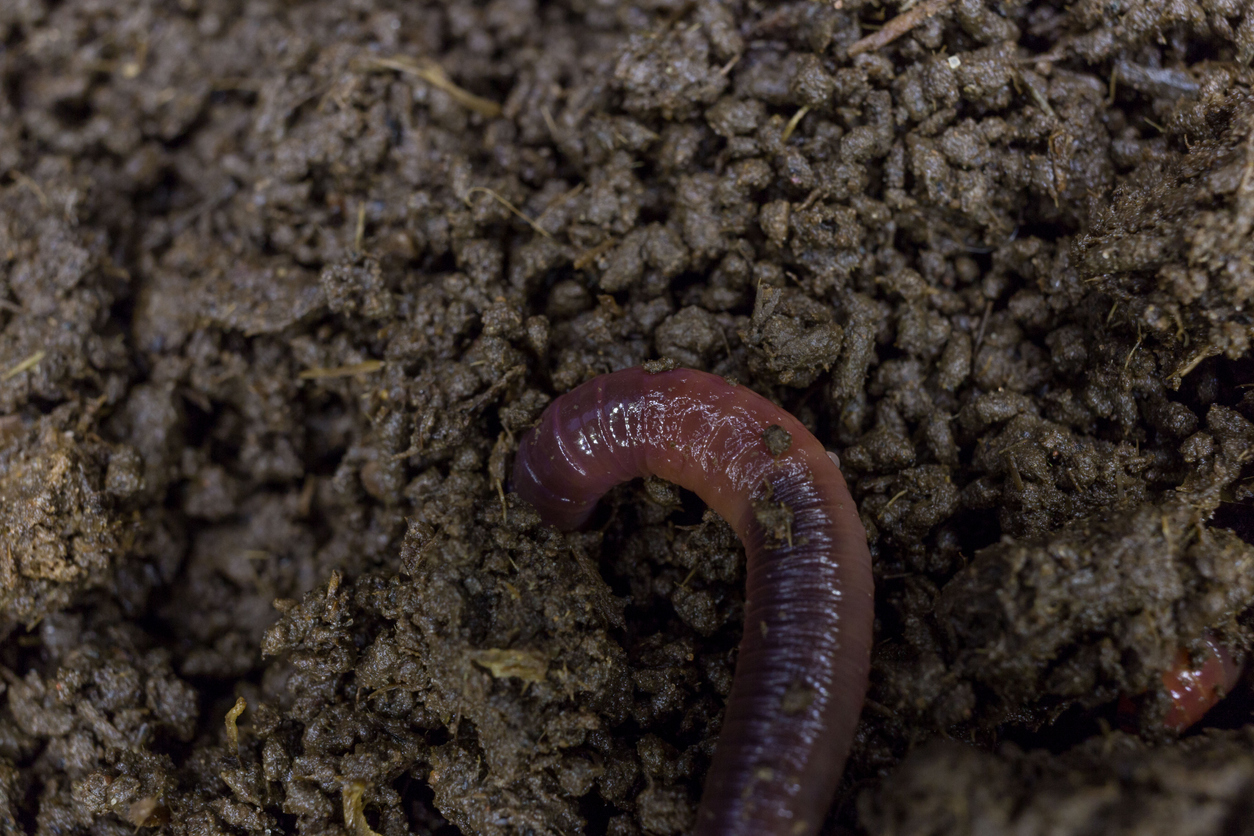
282, 284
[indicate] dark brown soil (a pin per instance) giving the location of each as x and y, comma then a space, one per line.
281, 285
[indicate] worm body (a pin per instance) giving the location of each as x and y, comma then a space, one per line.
802, 670
1192, 687
1195, 689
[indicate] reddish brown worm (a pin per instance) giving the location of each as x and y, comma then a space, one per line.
1194, 687
802, 670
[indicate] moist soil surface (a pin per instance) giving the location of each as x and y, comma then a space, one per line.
283, 283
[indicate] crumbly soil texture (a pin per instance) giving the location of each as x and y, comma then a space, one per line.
283, 283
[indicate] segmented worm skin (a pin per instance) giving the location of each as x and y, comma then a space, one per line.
802, 670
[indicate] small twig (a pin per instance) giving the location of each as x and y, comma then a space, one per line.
1013, 467
434, 74
1038, 96
560, 199
587, 257
1045, 58
360, 234
548, 120
898, 26
1128, 359
1177, 377
511, 207
979, 335
25, 365
794, 122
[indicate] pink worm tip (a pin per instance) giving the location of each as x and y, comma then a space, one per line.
805, 652
1195, 689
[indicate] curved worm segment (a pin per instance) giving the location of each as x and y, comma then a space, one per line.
1195, 689
805, 652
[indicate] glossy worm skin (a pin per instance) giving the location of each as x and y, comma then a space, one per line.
1194, 687
802, 670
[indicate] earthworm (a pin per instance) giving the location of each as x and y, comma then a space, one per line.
801, 675
1194, 688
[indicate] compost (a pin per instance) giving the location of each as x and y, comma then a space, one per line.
282, 285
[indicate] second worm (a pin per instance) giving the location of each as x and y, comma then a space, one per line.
802, 670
